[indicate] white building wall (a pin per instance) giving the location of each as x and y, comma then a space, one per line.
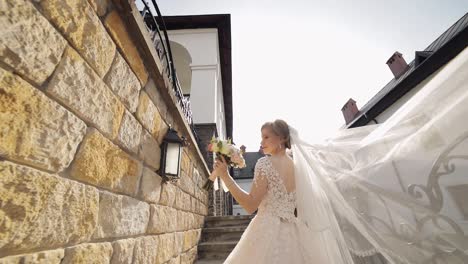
206, 91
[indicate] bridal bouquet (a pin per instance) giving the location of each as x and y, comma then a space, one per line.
231, 154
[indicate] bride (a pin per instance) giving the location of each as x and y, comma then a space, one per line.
395, 192
275, 235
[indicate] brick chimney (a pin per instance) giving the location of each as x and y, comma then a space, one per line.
350, 110
243, 148
397, 64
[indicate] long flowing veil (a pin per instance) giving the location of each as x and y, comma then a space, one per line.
398, 189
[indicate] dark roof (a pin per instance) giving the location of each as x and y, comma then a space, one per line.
251, 159
222, 22
438, 53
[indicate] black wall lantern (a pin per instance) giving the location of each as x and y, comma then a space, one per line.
171, 153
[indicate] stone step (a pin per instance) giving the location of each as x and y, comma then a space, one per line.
232, 220
223, 233
218, 250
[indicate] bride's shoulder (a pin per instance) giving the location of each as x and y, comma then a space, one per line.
262, 162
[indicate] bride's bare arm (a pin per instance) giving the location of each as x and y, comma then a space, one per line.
249, 201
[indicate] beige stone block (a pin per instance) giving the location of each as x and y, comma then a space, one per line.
154, 94
186, 184
166, 249
193, 205
149, 150
149, 115
181, 221
146, 250
43, 257
179, 242
191, 221
175, 260
202, 209
124, 83
123, 251
187, 202
189, 257
162, 220
99, 6
119, 33
204, 197
189, 238
81, 26
163, 128
102, 163
76, 85
197, 237
34, 129
130, 133
29, 44
30, 197
121, 215
185, 161
197, 178
168, 194
89, 253
179, 199
150, 187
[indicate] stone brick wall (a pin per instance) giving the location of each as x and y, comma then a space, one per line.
83, 110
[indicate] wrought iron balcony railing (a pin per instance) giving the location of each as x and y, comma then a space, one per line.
155, 24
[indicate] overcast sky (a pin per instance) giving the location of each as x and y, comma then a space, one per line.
302, 60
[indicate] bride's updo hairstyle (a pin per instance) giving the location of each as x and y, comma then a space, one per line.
280, 128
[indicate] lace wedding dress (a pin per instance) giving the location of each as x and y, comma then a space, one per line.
275, 235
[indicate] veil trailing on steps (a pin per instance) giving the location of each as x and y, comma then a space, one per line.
399, 188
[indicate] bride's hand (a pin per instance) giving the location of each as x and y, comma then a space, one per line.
220, 168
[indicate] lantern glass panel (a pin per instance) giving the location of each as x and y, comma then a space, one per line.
173, 158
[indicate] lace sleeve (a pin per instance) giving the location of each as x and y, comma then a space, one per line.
260, 183
259, 173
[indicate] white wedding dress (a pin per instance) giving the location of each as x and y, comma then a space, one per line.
275, 235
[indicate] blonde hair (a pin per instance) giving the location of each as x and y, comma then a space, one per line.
280, 128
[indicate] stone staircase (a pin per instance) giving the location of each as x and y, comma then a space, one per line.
219, 237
